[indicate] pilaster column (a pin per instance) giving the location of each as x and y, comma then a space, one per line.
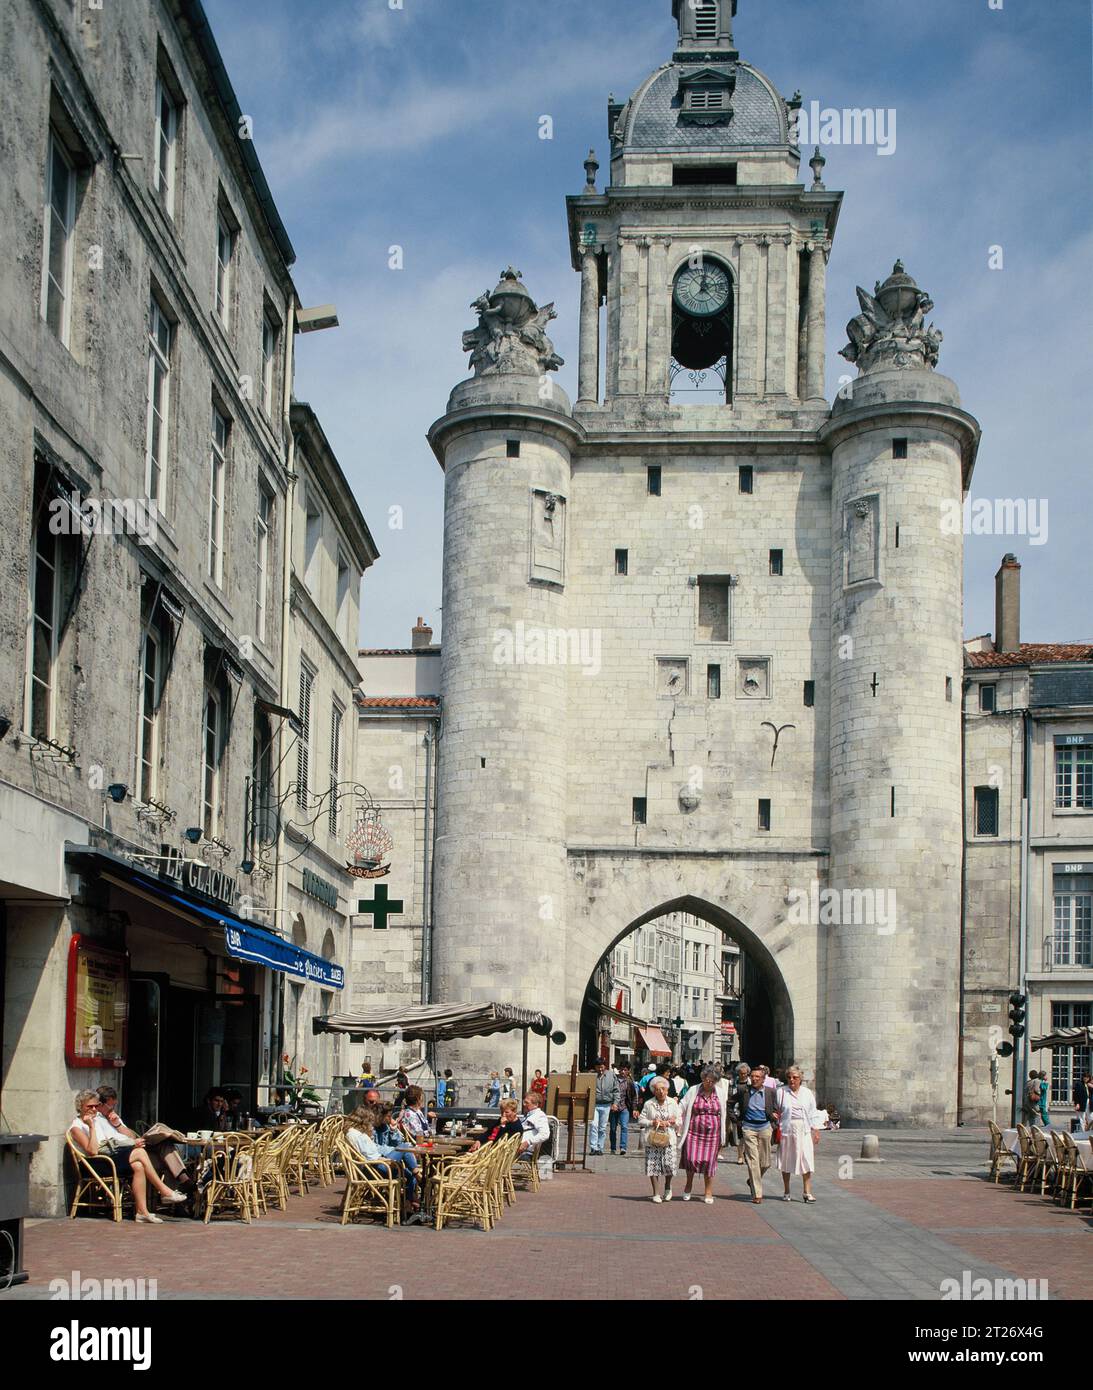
817, 300
747, 316
659, 318
588, 369
629, 291
778, 279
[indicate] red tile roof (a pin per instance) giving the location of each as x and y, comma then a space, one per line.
399, 701
1032, 654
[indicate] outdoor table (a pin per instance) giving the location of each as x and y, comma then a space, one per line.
1083, 1142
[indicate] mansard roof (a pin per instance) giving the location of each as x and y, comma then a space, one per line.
650, 120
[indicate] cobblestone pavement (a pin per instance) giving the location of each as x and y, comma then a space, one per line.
890, 1230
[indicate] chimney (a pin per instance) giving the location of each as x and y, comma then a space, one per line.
421, 635
1007, 606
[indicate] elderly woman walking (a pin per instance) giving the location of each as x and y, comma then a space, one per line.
800, 1124
705, 1119
661, 1121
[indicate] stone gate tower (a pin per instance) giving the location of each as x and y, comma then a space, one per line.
702, 641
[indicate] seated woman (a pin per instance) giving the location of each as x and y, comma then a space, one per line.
91, 1133
509, 1123
413, 1117
360, 1132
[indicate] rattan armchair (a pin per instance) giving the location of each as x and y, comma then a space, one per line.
94, 1191
999, 1154
231, 1186
463, 1189
370, 1189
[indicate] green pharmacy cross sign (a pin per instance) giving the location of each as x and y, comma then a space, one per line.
380, 908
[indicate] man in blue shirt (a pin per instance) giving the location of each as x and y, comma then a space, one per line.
757, 1107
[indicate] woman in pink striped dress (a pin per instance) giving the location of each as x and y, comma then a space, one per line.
705, 1110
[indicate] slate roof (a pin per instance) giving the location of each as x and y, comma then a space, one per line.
650, 120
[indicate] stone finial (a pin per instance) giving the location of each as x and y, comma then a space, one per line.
591, 166
891, 330
816, 164
511, 336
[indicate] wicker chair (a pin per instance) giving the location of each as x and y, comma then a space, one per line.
296, 1160
1078, 1174
464, 1189
93, 1191
525, 1171
1046, 1166
999, 1155
232, 1185
1026, 1163
270, 1169
370, 1189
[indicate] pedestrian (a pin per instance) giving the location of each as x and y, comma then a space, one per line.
1081, 1097
607, 1096
508, 1084
539, 1084
743, 1076
661, 1121
705, 1118
625, 1108
1030, 1109
800, 1125
1045, 1100
493, 1090
757, 1105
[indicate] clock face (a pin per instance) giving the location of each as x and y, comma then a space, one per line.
702, 290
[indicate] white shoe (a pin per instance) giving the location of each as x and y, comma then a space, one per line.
175, 1197
708, 1201
151, 1219
657, 1197
667, 1196
686, 1196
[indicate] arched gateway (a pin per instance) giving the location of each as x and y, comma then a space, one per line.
708, 652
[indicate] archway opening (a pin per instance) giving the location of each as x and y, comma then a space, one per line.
689, 978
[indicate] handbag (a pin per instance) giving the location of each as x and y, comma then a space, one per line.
657, 1139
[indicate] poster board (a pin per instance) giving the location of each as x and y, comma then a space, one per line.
583, 1106
97, 1005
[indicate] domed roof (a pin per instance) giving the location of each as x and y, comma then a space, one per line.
650, 120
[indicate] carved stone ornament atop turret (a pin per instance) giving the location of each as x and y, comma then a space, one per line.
511, 336
891, 330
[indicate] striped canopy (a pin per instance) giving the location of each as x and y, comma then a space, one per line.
436, 1022
1065, 1037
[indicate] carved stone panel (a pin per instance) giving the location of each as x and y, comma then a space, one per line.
861, 537
547, 537
672, 675
753, 678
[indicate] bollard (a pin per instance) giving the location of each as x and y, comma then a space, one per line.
870, 1149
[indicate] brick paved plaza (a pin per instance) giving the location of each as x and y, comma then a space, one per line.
892, 1230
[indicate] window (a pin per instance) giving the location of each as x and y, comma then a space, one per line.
764, 814
622, 560
713, 682
210, 807
342, 599
58, 225
699, 98
949, 688
160, 342
652, 479
713, 608
639, 810
43, 635
899, 448
167, 113
810, 694
303, 740
263, 815
1072, 940
270, 336
986, 810
313, 531
706, 20
218, 470
512, 448
1069, 1064
746, 476
148, 752
261, 586
225, 242
335, 764
776, 562
988, 695
1074, 778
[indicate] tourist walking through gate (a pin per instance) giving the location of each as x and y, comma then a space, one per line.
758, 1107
626, 1106
661, 1121
800, 1124
705, 1119
607, 1096
743, 1076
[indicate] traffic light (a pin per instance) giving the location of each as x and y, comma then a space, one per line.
1017, 1015
1004, 1049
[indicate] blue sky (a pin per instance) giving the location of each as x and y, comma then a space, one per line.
419, 127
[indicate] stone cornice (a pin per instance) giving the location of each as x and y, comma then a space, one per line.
889, 415
502, 416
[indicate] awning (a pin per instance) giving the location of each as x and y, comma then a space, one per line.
621, 1016
654, 1041
244, 940
437, 1022
1064, 1037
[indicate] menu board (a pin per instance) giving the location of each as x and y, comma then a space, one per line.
97, 1013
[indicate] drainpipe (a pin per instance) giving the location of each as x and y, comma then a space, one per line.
286, 603
1022, 1048
965, 686
426, 869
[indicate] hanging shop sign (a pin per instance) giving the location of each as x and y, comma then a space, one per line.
97, 1006
369, 844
